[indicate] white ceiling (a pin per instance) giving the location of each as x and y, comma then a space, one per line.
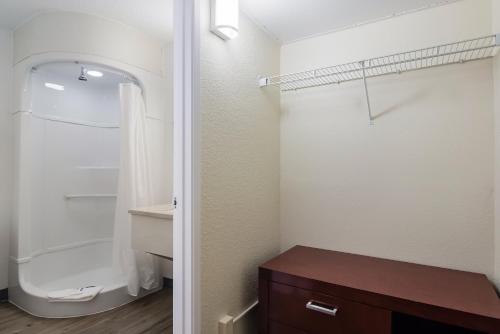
287, 20
290, 20
154, 17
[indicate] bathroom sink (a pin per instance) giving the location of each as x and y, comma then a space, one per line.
152, 230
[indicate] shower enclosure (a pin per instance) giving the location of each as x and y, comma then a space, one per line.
68, 160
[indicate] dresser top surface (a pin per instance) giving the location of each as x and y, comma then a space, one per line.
450, 289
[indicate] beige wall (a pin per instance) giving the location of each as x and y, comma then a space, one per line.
497, 168
457, 21
496, 30
6, 154
496, 16
239, 168
418, 185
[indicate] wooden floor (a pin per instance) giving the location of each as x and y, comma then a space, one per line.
151, 315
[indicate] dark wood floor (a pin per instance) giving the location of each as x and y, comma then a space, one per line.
151, 315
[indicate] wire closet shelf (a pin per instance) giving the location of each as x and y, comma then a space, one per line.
445, 54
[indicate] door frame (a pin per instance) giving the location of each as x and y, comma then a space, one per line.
186, 289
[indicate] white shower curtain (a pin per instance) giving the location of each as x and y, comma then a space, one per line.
134, 190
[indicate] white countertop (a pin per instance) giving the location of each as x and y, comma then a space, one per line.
164, 211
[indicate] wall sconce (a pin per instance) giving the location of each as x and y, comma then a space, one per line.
225, 18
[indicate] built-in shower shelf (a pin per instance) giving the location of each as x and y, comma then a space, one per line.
83, 196
440, 55
98, 168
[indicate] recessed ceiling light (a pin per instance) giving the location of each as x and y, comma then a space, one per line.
96, 74
54, 86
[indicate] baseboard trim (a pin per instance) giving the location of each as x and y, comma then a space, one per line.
4, 295
168, 283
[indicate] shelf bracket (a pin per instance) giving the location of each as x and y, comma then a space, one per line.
362, 63
263, 82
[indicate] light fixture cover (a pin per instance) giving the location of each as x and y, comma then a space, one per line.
225, 18
94, 73
54, 86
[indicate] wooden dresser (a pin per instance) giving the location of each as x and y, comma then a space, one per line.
313, 291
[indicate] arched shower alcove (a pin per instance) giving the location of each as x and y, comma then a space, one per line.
68, 157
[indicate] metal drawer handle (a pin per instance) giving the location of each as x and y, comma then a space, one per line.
313, 306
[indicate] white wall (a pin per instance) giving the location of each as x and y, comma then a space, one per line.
62, 36
72, 158
239, 169
81, 33
418, 185
93, 39
6, 153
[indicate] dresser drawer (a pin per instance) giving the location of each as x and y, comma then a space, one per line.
317, 313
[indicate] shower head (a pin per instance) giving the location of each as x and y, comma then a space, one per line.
83, 74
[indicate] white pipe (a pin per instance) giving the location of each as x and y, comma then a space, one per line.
226, 324
248, 309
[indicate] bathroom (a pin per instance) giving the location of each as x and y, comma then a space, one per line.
87, 124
